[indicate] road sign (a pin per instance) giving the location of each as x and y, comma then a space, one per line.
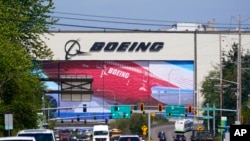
200, 128
144, 129
207, 117
152, 114
122, 111
175, 110
209, 108
8, 120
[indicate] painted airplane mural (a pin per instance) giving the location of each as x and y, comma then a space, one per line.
129, 82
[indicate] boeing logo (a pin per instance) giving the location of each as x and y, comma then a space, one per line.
73, 48
127, 46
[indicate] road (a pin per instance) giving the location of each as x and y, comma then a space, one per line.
168, 129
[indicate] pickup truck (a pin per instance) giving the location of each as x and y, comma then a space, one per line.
202, 135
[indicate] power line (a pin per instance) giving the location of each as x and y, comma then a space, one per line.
110, 28
151, 20
124, 29
97, 27
110, 21
109, 17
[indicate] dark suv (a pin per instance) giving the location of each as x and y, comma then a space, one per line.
180, 137
205, 135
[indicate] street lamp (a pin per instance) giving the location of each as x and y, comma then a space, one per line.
169, 76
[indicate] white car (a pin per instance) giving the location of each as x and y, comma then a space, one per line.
39, 134
12, 138
129, 138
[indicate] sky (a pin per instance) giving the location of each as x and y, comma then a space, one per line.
148, 14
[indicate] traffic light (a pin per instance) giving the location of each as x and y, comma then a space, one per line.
142, 106
195, 112
160, 107
189, 108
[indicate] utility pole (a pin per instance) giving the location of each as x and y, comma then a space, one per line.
221, 81
196, 102
238, 121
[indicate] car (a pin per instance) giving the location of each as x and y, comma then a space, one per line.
14, 138
100, 133
180, 137
73, 138
202, 135
39, 134
114, 138
129, 138
142, 138
64, 135
162, 136
88, 132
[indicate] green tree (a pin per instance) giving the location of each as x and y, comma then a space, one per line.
211, 93
19, 88
22, 24
140, 120
26, 21
135, 122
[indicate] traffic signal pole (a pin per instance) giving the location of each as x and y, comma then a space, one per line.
149, 125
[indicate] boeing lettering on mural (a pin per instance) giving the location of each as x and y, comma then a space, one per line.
73, 47
117, 72
127, 46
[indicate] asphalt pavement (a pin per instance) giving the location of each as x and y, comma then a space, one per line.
169, 131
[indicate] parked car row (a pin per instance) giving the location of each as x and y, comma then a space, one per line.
73, 134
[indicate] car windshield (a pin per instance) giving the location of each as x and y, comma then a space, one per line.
129, 139
39, 137
17, 140
101, 133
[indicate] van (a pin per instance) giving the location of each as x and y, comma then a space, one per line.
100, 133
17, 139
38, 134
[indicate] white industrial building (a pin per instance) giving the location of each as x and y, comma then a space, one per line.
201, 47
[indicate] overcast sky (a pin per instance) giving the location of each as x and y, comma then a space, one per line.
148, 14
